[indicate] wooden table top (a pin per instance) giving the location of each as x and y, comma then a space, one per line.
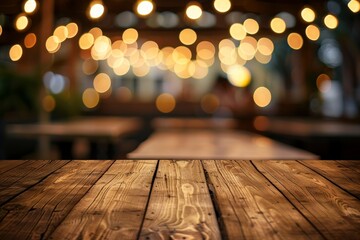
93, 127
183, 199
214, 144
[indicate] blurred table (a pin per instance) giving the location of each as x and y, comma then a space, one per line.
214, 144
99, 129
203, 123
184, 199
310, 128
328, 138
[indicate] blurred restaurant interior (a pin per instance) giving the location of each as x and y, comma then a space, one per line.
287, 70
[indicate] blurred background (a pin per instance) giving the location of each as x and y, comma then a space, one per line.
289, 70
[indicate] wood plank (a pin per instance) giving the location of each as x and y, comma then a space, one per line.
345, 177
251, 207
23, 176
335, 213
6, 165
114, 207
180, 206
36, 212
353, 164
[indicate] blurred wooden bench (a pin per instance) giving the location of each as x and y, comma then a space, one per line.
102, 130
184, 199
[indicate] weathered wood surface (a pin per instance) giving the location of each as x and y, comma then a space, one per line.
251, 207
334, 212
179, 199
336, 171
114, 207
36, 212
180, 206
210, 144
20, 177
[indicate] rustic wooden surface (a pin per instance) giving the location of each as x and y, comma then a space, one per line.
214, 144
179, 199
180, 202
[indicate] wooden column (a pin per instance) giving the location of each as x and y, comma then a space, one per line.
45, 60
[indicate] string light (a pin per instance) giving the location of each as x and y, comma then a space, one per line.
21, 22
30, 6
144, 7
354, 6
278, 25
15, 52
308, 15
331, 21
222, 6
295, 41
193, 10
96, 9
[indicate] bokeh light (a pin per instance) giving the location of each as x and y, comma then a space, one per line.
61, 32
312, 32
96, 9
295, 41
72, 29
237, 31
278, 25
102, 83
331, 21
130, 35
52, 44
354, 6
307, 14
265, 46
144, 7
165, 103
30, 6
86, 41
262, 97
222, 6
30, 40
239, 75
90, 98
187, 36
251, 26
193, 10
15, 52
21, 22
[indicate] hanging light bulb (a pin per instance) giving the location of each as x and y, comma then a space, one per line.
144, 7
193, 10
96, 9
30, 6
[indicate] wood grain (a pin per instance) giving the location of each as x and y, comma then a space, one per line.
36, 212
251, 207
180, 206
344, 177
22, 176
6, 165
335, 213
114, 208
353, 164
